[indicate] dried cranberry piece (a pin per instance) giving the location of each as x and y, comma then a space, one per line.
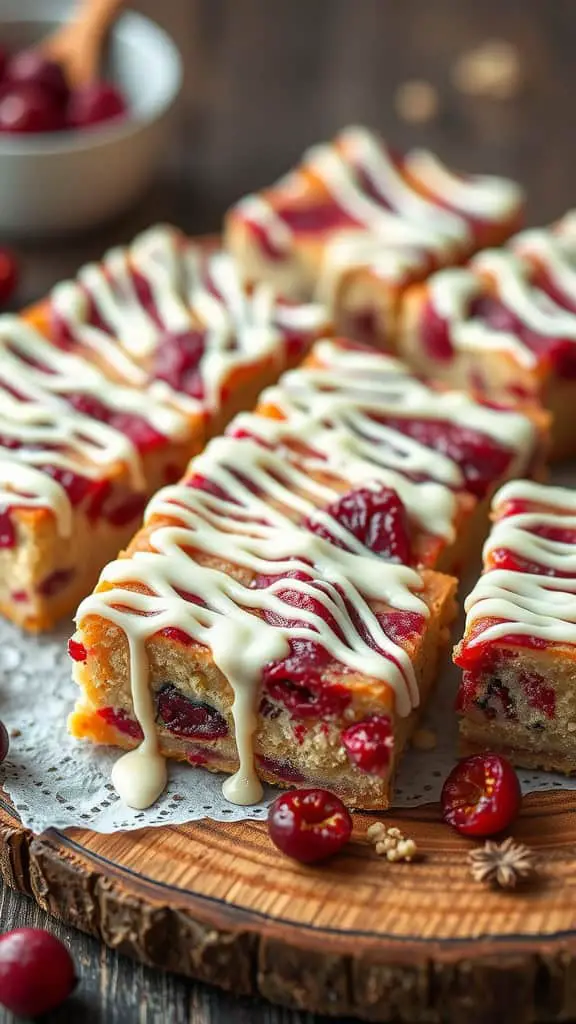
369, 744
188, 718
177, 361
284, 770
120, 719
56, 582
539, 696
435, 335
302, 701
377, 518
309, 824
8, 538
77, 650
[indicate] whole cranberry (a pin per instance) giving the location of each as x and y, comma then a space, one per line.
309, 824
9, 275
369, 744
481, 796
36, 972
94, 103
26, 108
29, 67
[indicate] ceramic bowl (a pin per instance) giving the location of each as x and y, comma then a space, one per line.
68, 181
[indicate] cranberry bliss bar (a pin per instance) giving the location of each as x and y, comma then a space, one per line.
506, 325
107, 389
519, 650
263, 621
356, 223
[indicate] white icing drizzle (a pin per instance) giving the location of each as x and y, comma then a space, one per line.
271, 489
191, 291
529, 604
391, 241
485, 196
511, 272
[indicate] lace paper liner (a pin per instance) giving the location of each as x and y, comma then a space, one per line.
55, 781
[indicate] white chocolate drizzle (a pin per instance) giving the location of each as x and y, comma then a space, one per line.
511, 273
256, 527
111, 363
395, 234
540, 605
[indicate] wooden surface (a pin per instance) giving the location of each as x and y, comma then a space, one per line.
357, 937
263, 81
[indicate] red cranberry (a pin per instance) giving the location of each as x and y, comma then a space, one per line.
435, 334
119, 719
55, 582
376, 518
284, 770
369, 744
8, 275
3, 62
538, 694
36, 972
309, 824
125, 511
303, 702
176, 635
94, 103
136, 428
29, 67
26, 109
177, 361
325, 216
402, 627
187, 718
76, 650
481, 796
8, 538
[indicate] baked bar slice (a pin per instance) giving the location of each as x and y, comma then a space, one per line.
234, 638
505, 325
518, 654
107, 389
355, 223
391, 449
300, 523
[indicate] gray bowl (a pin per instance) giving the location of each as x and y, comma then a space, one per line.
67, 181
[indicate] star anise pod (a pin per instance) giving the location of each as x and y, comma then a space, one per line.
501, 864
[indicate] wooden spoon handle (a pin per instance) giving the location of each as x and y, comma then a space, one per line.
77, 44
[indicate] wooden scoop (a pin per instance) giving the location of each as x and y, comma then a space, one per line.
77, 45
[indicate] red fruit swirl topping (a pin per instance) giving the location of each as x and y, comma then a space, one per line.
435, 335
188, 718
36, 972
370, 743
309, 824
377, 518
481, 459
481, 796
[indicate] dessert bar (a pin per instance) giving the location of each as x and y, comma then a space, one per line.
505, 325
356, 222
108, 387
518, 654
275, 618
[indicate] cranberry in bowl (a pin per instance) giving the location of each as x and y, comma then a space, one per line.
70, 162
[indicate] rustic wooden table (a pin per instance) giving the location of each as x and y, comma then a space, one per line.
262, 82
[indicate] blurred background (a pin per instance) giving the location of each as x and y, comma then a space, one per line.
488, 85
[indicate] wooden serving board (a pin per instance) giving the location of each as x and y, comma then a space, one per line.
356, 937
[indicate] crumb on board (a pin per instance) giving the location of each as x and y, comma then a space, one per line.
492, 69
391, 843
14, 733
416, 101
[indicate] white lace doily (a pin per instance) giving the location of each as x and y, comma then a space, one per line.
57, 782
